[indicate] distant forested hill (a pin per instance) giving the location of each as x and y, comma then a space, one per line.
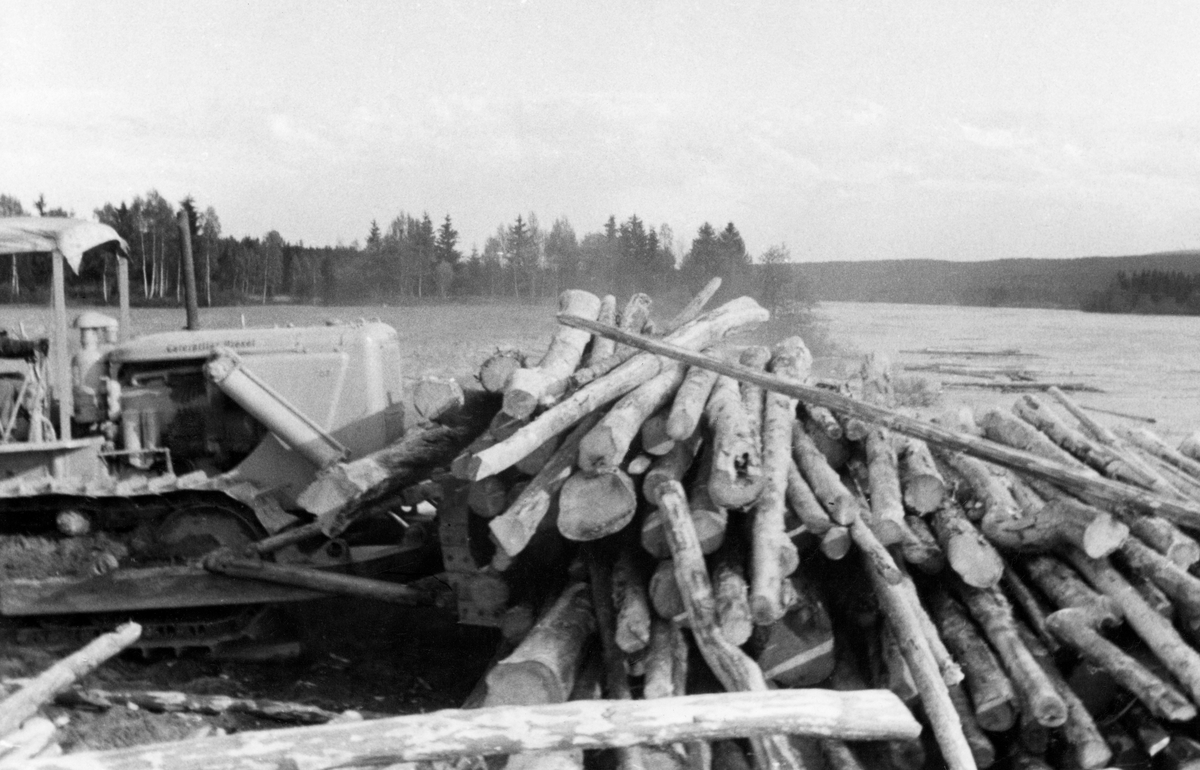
1066, 283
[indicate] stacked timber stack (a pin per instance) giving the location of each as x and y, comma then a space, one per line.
727, 525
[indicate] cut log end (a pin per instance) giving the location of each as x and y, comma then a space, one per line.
593, 506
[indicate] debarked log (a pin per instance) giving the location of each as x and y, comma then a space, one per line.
864, 715
24, 703
528, 387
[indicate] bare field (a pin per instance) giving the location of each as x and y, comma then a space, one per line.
443, 340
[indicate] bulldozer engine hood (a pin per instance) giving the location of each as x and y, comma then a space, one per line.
62, 237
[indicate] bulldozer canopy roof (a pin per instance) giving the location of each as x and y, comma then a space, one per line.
63, 237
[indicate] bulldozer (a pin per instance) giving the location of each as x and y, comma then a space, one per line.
125, 460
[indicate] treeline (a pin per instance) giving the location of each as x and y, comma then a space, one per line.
411, 258
1149, 291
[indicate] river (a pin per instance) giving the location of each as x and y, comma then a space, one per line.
1146, 365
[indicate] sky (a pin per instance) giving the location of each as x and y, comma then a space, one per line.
844, 130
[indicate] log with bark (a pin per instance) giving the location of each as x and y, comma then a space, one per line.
605, 446
170, 702
1155, 446
497, 370
840, 505
922, 482
967, 551
347, 491
690, 401
995, 701
593, 505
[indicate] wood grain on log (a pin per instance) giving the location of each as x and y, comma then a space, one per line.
453, 733
528, 387
968, 553
1050, 518
920, 478
1185, 514
497, 370
486, 497
653, 434
700, 333
591, 506
689, 403
434, 397
25, 702
1074, 628
835, 543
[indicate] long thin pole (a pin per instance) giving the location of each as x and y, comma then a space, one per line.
188, 267
62, 364
1181, 513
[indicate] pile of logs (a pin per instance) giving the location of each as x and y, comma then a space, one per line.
714, 521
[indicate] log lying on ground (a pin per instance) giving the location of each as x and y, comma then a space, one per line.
896, 605
700, 333
969, 554
773, 556
1068, 476
454, 733
166, 701
1156, 631
991, 689
736, 477
689, 403
542, 669
1074, 627
528, 387
514, 528
347, 491
25, 702
993, 612
922, 482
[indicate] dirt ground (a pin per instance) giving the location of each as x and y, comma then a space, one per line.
365, 656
